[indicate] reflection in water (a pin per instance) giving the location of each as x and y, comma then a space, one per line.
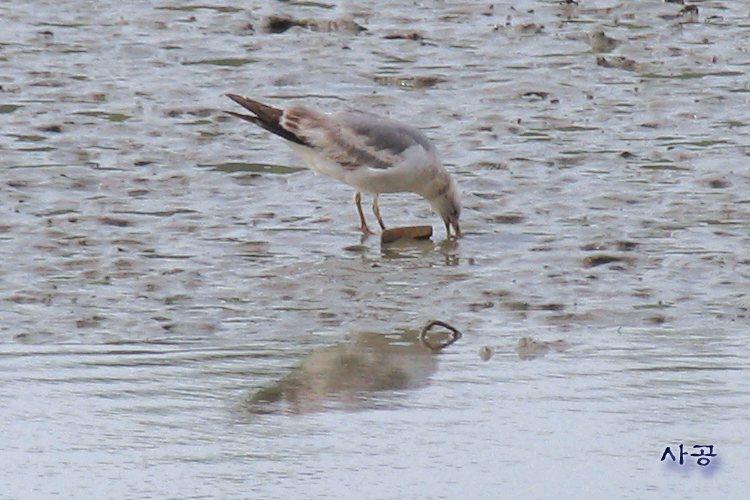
352, 375
410, 248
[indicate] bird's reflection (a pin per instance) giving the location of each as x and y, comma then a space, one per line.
409, 248
367, 371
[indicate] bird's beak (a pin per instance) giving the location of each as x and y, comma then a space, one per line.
452, 224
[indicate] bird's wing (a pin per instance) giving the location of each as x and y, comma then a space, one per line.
383, 134
354, 139
264, 116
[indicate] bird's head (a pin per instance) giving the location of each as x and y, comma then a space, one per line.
447, 204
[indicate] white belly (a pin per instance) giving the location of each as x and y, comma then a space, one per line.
410, 175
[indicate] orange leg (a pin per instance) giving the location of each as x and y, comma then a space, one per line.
376, 211
362, 222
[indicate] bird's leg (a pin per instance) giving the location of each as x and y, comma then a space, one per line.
376, 211
362, 222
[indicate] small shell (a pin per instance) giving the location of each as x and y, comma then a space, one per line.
438, 340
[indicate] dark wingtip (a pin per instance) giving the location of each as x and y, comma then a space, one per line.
249, 118
240, 100
264, 116
233, 97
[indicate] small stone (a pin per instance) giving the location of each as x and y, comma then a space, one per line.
485, 353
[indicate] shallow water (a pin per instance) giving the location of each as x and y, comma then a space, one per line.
161, 263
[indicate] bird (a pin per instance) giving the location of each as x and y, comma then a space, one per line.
371, 153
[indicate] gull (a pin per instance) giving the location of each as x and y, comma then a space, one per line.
370, 153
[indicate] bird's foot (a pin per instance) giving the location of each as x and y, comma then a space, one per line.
366, 231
